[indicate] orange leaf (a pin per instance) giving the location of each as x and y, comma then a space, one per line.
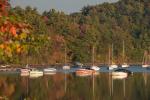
13, 30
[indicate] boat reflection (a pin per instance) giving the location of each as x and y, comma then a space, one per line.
35, 73
113, 81
67, 86
49, 71
121, 74
120, 77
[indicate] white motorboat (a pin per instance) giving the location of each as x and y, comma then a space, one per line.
113, 66
145, 65
49, 71
66, 67
125, 65
36, 73
96, 68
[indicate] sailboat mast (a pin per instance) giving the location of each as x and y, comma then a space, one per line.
146, 57
112, 59
123, 52
109, 55
93, 54
65, 54
143, 58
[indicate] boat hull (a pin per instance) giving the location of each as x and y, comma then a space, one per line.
125, 65
145, 66
96, 68
66, 67
111, 67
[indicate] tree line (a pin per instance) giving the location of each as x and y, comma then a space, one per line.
42, 38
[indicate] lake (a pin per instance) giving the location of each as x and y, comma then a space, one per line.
66, 85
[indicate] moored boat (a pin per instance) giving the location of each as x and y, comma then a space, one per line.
145, 65
146, 59
112, 65
66, 67
124, 65
96, 68
93, 67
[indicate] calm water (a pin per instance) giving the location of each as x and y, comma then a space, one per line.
68, 86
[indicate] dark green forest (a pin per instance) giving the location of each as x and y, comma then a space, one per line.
48, 34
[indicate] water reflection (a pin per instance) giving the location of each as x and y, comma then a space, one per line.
68, 86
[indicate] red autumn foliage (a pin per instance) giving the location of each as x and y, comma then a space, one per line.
4, 6
13, 30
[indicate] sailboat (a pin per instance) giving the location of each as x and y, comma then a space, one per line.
123, 56
25, 71
145, 60
112, 65
66, 67
94, 67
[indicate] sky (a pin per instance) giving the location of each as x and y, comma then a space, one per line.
67, 6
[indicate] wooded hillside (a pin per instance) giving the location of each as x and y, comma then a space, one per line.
41, 39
